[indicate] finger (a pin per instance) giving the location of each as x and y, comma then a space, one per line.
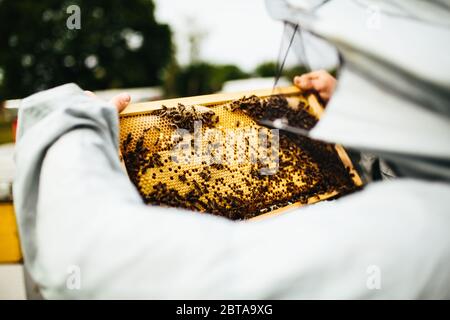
317, 74
304, 82
318, 84
304, 76
309, 76
121, 101
322, 88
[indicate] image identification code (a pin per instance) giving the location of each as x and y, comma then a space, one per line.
226, 309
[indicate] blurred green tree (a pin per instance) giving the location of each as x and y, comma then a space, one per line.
199, 78
269, 69
266, 69
119, 45
290, 73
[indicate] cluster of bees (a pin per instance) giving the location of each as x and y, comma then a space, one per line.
306, 168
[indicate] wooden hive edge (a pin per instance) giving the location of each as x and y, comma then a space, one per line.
210, 99
214, 99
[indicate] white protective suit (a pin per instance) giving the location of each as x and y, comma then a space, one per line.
77, 208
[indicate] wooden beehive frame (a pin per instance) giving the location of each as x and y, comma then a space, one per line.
221, 98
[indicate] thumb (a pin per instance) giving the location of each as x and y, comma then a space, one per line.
121, 101
303, 82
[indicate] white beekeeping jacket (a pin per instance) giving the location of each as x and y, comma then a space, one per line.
85, 232
393, 93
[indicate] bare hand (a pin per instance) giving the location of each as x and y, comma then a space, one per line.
320, 81
120, 101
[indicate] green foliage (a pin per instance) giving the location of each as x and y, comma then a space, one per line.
266, 69
199, 78
269, 69
39, 51
290, 73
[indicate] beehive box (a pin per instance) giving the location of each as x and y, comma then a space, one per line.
188, 170
10, 251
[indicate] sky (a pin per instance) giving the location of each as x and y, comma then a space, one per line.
238, 32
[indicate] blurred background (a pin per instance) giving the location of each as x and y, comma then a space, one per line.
158, 49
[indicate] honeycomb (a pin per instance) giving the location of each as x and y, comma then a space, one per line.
220, 166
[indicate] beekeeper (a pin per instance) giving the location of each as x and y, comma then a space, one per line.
86, 233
